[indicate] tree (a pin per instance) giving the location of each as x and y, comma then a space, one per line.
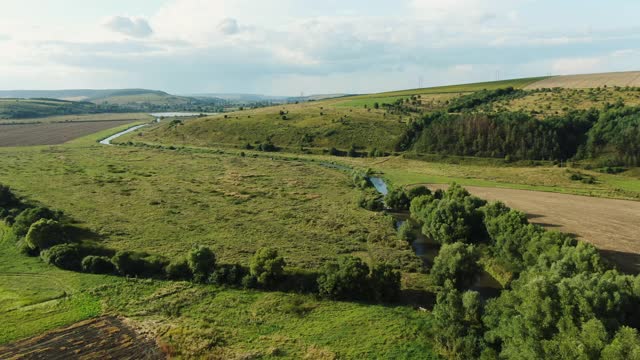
416, 191
44, 234
202, 262
97, 265
345, 279
29, 216
625, 345
179, 270
448, 222
397, 199
267, 267
385, 283
456, 329
64, 256
457, 263
128, 263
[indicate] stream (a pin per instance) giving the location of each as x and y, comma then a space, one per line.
427, 249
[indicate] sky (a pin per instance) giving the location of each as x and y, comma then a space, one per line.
289, 47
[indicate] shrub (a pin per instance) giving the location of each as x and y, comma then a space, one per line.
30, 216
228, 274
179, 270
448, 222
202, 262
456, 262
7, 198
370, 202
267, 266
64, 256
345, 279
97, 265
44, 234
129, 263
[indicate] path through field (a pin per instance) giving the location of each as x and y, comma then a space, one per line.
613, 226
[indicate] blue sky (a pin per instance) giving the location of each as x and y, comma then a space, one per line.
285, 47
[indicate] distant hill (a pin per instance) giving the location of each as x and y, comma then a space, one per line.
257, 98
42, 107
622, 79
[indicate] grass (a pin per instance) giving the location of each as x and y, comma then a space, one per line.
82, 118
167, 201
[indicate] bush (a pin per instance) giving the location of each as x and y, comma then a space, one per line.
30, 216
7, 198
267, 267
344, 280
130, 263
457, 263
64, 256
44, 234
228, 275
179, 270
370, 202
202, 262
97, 265
448, 222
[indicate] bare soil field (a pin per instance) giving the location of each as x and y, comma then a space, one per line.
102, 338
613, 226
629, 78
52, 133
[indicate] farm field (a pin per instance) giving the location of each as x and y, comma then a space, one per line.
622, 79
81, 118
611, 225
53, 133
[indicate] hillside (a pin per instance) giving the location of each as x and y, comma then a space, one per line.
586, 81
366, 124
35, 108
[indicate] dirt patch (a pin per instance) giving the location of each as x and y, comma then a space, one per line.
613, 226
52, 133
102, 338
629, 78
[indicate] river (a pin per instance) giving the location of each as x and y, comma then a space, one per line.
158, 116
427, 249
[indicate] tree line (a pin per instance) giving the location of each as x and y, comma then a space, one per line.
611, 132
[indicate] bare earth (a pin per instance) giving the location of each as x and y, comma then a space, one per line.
613, 226
102, 338
52, 133
622, 79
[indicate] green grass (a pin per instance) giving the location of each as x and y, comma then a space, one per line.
34, 108
166, 201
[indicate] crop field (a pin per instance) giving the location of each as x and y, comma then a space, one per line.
53, 133
105, 337
80, 118
622, 79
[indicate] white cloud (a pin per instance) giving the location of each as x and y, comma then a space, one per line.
570, 66
228, 26
132, 26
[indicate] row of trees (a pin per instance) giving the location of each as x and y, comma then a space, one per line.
565, 301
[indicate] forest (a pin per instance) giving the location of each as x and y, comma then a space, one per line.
610, 133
